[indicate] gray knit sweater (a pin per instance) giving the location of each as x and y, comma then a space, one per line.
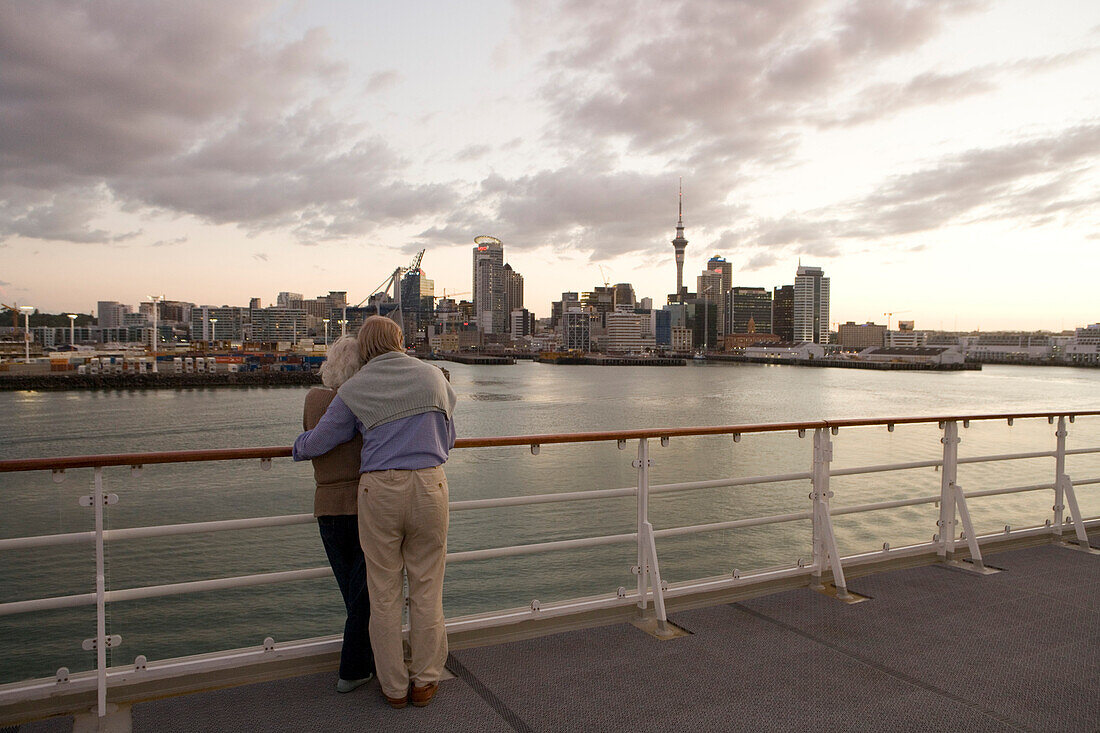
395, 385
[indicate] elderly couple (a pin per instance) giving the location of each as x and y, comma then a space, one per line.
378, 438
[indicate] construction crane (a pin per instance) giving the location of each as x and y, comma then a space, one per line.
603, 276
891, 314
449, 295
383, 290
14, 313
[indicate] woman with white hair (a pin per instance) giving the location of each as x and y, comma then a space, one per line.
335, 504
402, 407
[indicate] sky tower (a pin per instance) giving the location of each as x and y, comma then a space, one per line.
680, 243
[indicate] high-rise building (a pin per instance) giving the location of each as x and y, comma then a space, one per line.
275, 324
720, 264
752, 304
625, 334
571, 299
231, 324
624, 295
811, 305
488, 291
522, 323
513, 289
783, 312
679, 244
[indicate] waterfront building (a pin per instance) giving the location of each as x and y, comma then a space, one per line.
625, 333
522, 323
681, 338
1084, 347
787, 350
913, 354
443, 342
577, 329
679, 244
232, 322
751, 305
855, 336
783, 312
811, 305
739, 341
109, 313
168, 311
905, 338
1008, 346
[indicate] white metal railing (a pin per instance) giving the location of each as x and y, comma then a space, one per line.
952, 500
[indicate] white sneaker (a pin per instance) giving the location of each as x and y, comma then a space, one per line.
343, 685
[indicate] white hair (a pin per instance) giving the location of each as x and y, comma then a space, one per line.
341, 362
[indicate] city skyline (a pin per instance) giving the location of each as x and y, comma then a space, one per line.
933, 158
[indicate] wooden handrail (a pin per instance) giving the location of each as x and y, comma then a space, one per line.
236, 454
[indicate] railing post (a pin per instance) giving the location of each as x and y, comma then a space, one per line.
1059, 477
642, 464
649, 571
948, 479
824, 541
98, 500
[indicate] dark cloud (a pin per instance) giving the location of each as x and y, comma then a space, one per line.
185, 108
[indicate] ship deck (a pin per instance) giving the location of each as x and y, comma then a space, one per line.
934, 648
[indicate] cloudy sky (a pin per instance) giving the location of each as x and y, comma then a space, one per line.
935, 157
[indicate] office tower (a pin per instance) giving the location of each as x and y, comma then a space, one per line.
811, 305
646, 304
752, 304
720, 264
488, 292
254, 304
624, 295
513, 289
522, 323
679, 244
783, 312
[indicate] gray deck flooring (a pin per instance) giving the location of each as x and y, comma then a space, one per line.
935, 649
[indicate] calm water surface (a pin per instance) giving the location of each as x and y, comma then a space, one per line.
507, 400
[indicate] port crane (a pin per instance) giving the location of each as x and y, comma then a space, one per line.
891, 314
383, 290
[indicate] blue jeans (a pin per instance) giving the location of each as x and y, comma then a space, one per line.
340, 536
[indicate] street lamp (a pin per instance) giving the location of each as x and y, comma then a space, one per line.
72, 329
325, 321
26, 310
213, 331
156, 339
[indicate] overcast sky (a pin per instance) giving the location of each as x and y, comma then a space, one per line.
937, 158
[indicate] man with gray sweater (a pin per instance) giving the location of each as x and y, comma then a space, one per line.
403, 408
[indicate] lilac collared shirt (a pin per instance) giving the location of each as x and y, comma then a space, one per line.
418, 441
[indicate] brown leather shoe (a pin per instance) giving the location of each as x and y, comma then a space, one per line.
397, 702
421, 696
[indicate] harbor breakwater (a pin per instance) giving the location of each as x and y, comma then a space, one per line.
882, 366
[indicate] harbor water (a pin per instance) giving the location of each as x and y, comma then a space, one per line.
525, 398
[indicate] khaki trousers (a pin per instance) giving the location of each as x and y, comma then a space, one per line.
403, 525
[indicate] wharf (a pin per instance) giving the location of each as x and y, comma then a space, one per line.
164, 380
598, 360
884, 366
480, 359
935, 648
